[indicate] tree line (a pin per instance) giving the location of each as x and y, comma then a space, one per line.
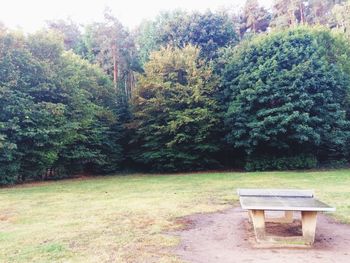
258, 89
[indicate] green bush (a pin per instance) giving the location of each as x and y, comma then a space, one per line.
265, 163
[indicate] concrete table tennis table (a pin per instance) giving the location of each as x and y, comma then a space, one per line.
258, 201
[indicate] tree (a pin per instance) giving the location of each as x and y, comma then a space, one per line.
175, 116
320, 12
110, 45
288, 95
288, 13
58, 113
31, 116
341, 14
255, 18
146, 38
93, 143
313, 12
209, 31
70, 32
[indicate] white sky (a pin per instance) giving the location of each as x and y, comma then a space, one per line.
30, 15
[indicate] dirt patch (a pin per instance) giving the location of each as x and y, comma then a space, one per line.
4, 217
227, 237
184, 223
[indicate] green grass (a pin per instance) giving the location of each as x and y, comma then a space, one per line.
125, 218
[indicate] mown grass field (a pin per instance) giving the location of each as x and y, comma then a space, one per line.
127, 218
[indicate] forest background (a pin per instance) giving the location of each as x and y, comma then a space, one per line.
259, 90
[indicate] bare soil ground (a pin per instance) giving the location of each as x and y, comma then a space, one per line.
227, 236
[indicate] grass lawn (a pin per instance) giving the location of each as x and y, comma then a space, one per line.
125, 218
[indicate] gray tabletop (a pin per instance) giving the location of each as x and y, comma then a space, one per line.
275, 192
282, 203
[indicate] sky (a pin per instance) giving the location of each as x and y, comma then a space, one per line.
30, 15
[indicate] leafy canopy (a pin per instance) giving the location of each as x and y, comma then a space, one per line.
57, 111
288, 94
174, 111
208, 31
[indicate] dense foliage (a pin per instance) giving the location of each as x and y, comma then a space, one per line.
289, 95
209, 31
258, 89
175, 116
57, 112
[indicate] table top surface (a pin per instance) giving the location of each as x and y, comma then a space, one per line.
281, 200
275, 192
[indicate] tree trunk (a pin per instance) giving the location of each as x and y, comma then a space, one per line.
132, 83
301, 7
126, 86
115, 65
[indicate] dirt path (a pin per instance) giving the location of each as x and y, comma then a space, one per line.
227, 237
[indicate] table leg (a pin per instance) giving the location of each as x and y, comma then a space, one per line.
309, 219
258, 219
288, 215
250, 216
